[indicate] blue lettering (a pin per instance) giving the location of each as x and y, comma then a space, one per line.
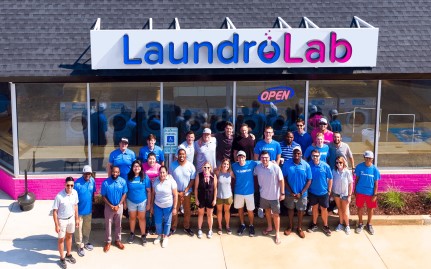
126, 57
184, 59
247, 46
235, 47
197, 46
158, 51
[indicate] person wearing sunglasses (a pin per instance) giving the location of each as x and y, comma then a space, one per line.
65, 214
206, 197
342, 189
319, 192
85, 186
328, 136
300, 136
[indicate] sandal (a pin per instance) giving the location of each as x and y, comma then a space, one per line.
219, 232
266, 232
277, 241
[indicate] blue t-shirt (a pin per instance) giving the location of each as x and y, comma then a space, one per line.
324, 153
273, 149
137, 190
183, 174
366, 178
114, 189
304, 140
122, 160
144, 151
85, 190
320, 174
296, 175
244, 178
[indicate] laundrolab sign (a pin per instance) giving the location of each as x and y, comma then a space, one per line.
275, 95
234, 48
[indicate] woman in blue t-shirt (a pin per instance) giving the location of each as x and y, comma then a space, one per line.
138, 199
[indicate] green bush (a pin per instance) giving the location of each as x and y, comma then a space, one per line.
393, 198
427, 195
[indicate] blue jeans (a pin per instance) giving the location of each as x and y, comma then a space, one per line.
162, 219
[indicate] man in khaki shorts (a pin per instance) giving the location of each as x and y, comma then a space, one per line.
65, 213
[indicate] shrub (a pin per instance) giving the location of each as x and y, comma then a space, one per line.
427, 195
393, 198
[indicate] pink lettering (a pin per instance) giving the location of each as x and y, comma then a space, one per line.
287, 57
311, 53
272, 94
334, 43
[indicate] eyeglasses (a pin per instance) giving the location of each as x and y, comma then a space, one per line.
299, 125
69, 185
315, 156
207, 167
323, 123
338, 163
87, 174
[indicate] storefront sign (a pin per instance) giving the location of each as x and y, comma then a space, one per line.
275, 95
234, 48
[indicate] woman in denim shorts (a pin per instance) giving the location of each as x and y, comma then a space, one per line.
342, 188
224, 195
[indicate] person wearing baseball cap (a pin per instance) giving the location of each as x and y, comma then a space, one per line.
85, 186
205, 149
323, 128
121, 157
367, 177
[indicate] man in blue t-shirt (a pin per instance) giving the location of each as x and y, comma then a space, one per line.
321, 147
122, 158
271, 146
114, 190
244, 190
301, 136
297, 174
287, 146
319, 191
367, 178
85, 186
152, 147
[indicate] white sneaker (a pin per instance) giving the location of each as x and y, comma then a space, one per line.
347, 230
158, 239
200, 234
335, 210
260, 213
165, 242
339, 227
210, 234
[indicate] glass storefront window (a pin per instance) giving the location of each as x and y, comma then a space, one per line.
6, 150
50, 127
119, 110
405, 128
195, 106
280, 115
355, 104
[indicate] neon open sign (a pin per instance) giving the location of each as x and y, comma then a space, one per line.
275, 95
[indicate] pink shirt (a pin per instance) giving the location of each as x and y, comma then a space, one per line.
152, 172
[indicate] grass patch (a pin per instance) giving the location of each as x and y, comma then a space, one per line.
393, 198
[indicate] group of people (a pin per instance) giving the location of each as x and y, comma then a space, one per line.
220, 170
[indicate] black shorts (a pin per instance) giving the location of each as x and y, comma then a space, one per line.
322, 200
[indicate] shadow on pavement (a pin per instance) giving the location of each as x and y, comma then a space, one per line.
29, 251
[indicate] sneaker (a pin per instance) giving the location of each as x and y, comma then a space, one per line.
335, 210
359, 228
199, 234
89, 246
369, 229
171, 232
251, 230
241, 229
152, 230
210, 234
228, 230
347, 230
62, 263
158, 239
312, 228
144, 240
165, 242
339, 227
326, 230
70, 258
81, 252
260, 213
310, 211
189, 232
131, 238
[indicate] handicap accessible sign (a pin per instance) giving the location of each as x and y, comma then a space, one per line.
170, 141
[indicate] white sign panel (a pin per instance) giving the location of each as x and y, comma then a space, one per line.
170, 139
234, 48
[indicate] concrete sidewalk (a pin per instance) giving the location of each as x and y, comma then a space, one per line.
28, 239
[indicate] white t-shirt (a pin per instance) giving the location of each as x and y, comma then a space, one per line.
163, 192
64, 203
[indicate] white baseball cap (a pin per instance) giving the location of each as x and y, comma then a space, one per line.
369, 154
207, 131
87, 169
241, 153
